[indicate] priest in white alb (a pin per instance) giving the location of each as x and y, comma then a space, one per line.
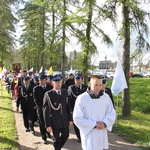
94, 115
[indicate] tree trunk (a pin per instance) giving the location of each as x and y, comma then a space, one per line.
126, 106
53, 32
140, 61
87, 45
37, 61
64, 41
1, 59
43, 34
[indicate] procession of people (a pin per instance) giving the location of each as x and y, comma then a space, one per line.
55, 105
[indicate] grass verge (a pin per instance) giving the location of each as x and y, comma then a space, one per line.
135, 128
8, 136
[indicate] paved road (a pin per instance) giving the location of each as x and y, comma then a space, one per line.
27, 141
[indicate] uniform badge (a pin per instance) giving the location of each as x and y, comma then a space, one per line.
55, 104
30, 94
67, 100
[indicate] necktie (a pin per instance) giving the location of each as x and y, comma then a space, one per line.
80, 87
44, 87
58, 92
26, 88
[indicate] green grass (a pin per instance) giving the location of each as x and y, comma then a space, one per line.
140, 94
135, 128
8, 136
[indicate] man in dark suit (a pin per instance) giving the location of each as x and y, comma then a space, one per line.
57, 113
36, 81
69, 81
23, 75
38, 94
25, 98
73, 92
30, 75
107, 90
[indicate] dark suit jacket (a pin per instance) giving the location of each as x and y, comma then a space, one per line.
25, 98
74, 91
69, 82
108, 91
20, 81
38, 95
57, 110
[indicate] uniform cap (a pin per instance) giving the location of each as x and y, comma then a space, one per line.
77, 77
29, 73
50, 77
26, 79
56, 78
104, 81
42, 77
36, 78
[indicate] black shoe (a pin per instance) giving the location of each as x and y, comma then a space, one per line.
27, 130
79, 140
44, 141
36, 124
33, 132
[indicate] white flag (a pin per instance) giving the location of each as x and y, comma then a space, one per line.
4, 71
71, 69
41, 69
31, 70
119, 82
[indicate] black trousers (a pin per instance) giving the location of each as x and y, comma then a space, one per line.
42, 126
77, 131
61, 135
28, 119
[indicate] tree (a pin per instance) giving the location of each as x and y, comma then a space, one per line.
39, 39
138, 55
76, 59
87, 18
43, 36
64, 39
126, 110
33, 39
134, 19
7, 30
